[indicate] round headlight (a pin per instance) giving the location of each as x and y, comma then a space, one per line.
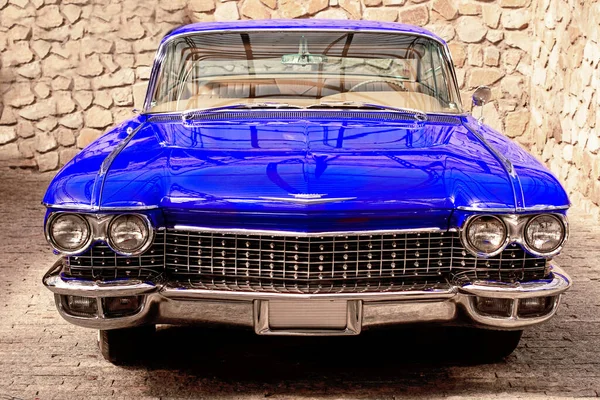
129, 234
545, 233
486, 235
68, 233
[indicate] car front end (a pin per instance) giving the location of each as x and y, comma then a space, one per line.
295, 179
321, 283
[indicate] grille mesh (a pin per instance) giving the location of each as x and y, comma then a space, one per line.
100, 262
288, 264
335, 263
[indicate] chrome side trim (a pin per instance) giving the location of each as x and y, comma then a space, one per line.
539, 208
307, 201
95, 208
506, 163
305, 234
98, 188
82, 207
129, 208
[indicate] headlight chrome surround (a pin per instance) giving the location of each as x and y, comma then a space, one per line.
478, 252
98, 228
516, 225
52, 240
149, 239
555, 250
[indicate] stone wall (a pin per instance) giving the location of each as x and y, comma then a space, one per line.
565, 96
68, 67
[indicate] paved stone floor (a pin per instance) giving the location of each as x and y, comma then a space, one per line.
41, 356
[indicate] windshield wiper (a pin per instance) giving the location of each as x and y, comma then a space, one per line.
237, 106
267, 104
420, 115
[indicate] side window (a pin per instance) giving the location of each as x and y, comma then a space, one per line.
426, 69
441, 80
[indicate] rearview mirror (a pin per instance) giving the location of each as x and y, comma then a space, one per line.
482, 95
303, 57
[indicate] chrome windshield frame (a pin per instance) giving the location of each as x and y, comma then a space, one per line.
162, 51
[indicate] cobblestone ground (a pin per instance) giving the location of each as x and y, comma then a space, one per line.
41, 356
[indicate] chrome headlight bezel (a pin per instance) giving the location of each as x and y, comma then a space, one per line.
98, 231
561, 219
472, 249
149, 238
49, 237
516, 225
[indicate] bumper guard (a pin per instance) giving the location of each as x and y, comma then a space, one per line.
164, 303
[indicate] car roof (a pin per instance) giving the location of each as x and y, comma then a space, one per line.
292, 24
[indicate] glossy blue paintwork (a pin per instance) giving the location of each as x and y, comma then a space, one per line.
226, 172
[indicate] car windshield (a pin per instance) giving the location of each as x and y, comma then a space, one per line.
304, 68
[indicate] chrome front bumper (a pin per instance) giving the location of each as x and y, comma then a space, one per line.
167, 304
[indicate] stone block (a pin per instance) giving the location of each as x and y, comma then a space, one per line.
87, 136
39, 110
416, 15
484, 77
470, 29
516, 19
228, 12
66, 155
7, 134
44, 142
47, 162
255, 9
97, 117
516, 123
446, 8
73, 121
381, 14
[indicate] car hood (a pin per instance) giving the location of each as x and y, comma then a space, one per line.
345, 169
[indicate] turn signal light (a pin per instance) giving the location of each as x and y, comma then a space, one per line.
494, 307
536, 306
80, 306
121, 306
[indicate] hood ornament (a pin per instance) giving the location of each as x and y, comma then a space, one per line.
308, 198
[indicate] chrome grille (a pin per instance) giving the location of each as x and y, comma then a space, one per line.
321, 264
100, 262
334, 263
305, 259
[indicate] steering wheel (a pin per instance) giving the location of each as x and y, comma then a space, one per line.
392, 82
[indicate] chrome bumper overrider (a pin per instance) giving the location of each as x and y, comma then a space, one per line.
164, 303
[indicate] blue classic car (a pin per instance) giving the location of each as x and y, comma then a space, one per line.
306, 177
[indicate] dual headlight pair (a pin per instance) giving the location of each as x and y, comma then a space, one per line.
488, 235
126, 234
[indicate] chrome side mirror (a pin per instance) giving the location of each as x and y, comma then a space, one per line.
481, 97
